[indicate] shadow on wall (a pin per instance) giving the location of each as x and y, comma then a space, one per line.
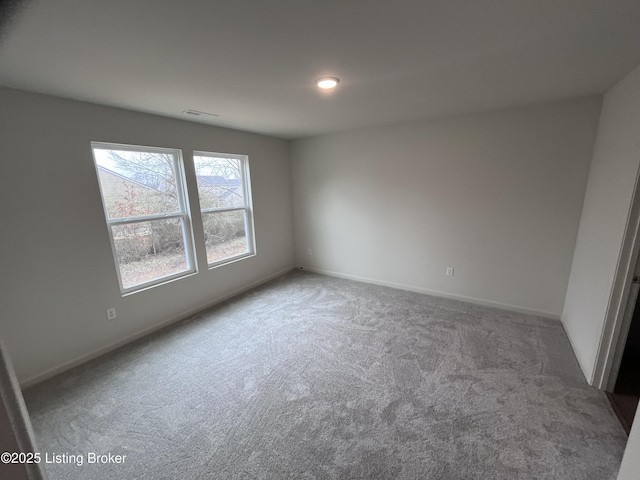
9, 11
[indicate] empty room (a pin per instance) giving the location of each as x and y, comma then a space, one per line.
319, 240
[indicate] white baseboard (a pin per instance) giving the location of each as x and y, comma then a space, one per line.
142, 333
436, 293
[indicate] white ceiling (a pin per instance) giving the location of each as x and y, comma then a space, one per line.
254, 62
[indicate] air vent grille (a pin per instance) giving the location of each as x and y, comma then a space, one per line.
198, 113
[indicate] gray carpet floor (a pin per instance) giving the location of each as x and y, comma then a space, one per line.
313, 377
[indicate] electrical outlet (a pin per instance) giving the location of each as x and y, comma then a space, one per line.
309, 251
111, 313
449, 271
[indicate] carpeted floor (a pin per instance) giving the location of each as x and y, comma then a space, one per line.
313, 377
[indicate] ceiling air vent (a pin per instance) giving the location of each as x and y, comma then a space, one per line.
198, 113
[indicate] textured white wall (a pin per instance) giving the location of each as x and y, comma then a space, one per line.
496, 195
607, 203
58, 275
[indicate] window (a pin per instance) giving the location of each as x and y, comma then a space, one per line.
144, 200
225, 202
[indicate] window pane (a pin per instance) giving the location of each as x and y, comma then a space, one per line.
149, 251
219, 181
223, 183
137, 183
225, 235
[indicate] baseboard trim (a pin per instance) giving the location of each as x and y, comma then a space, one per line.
52, 372
436, 293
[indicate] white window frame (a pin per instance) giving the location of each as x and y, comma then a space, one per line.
247, 208
184, 214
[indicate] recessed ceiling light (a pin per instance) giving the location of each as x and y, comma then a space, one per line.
327, 83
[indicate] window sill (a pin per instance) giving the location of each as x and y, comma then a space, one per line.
229, 260
159, 282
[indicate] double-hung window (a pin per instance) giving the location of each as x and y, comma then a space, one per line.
225, 203
147, 213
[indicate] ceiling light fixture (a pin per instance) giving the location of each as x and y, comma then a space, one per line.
327, 83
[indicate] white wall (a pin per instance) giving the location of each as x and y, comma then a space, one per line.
58, 273
496, 195
630, 465
612, 180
